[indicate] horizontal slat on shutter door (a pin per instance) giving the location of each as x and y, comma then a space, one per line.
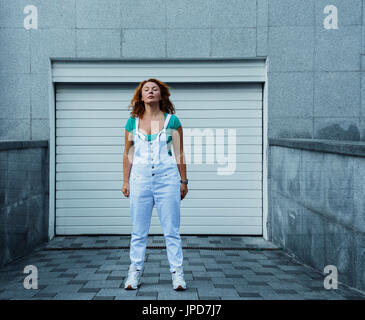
111, 212
117, 229
90, 123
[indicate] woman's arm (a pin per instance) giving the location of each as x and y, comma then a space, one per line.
127, 156
177, 141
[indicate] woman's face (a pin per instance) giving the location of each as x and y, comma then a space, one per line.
151, 92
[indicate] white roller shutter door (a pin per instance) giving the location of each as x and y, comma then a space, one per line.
90, 121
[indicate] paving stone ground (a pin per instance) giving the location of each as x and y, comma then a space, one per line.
191, 241
92, 272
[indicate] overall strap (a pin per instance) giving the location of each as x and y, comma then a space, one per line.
164, 126
136, 124
167, 121
137, 133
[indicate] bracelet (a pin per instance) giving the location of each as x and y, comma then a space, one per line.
184, 181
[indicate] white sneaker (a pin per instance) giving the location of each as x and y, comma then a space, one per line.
134, 278
178, 281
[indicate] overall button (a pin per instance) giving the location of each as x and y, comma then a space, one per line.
153, 174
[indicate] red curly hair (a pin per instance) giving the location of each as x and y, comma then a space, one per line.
137, 104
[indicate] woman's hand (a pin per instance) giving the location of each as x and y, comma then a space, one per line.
125, 189
183, 190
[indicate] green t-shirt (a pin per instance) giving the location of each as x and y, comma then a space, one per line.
174, 123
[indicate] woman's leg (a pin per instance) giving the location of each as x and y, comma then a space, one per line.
168, 200
141, 205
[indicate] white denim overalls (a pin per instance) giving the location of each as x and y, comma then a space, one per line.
154, 180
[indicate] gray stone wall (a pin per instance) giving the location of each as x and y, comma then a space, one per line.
308, 65
317, 209
24, 198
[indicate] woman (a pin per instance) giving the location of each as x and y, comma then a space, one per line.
153, 175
